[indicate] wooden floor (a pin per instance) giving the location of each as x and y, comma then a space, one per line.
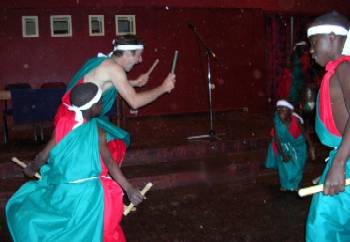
205, 189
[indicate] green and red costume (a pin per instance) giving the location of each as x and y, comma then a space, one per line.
75, 200
329, 216
292, 142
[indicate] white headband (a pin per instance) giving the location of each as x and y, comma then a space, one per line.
122, 48
284, 103
329, 28
78, 110
128, 47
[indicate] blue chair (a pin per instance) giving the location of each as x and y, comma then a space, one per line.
35, 106
7, 111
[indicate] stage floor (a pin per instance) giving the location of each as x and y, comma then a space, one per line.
241, 208
175, 129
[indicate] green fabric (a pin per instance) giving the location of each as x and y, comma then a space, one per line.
52, 209
270, 161
108, 99
329, 216
326, 138
291, 172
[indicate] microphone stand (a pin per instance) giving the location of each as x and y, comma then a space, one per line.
209, 53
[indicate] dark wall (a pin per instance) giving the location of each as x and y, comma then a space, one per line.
233, 29
236, 36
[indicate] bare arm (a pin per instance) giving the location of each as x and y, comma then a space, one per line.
134, 99
133, 194
335, 180
140, 81
143, 78
40, 158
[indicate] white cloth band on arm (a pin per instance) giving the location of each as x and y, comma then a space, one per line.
337, 30
284, 103
78, 110
128, 47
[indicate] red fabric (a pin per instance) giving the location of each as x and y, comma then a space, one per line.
113, 194
325, 108
64, 119
284, 83
294, 130
113, 198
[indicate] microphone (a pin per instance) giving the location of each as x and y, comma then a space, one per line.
212, 53
191, 26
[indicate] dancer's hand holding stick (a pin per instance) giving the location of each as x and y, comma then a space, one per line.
155, 63
143, 192
144, 78
24, 165
314, 189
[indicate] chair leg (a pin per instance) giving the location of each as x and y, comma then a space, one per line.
41, 132
5, 129
35, 133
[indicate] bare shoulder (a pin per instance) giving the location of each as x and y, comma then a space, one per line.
105, 74
110, 64
112, 69
343, 73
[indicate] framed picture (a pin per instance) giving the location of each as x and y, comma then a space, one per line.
30, 26
96, 25
125, 24
61, 25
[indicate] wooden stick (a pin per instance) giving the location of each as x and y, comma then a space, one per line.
152, 67
24, 165
315, 189
174, 61
143, 192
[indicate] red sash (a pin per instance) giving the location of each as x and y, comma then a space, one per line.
325, 108
113, 194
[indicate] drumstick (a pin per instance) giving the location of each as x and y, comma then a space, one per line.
314, 189
143, 192
155, 63
24, 165
174, 61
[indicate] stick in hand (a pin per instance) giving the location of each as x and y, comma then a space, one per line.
143, 192
155, 63
315, 189
24, 165
174, 61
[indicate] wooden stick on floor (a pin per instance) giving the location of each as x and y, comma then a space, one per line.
143, 192
315, 189
24, 165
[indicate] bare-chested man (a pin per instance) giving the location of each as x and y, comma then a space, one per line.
127, 52
329, 215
